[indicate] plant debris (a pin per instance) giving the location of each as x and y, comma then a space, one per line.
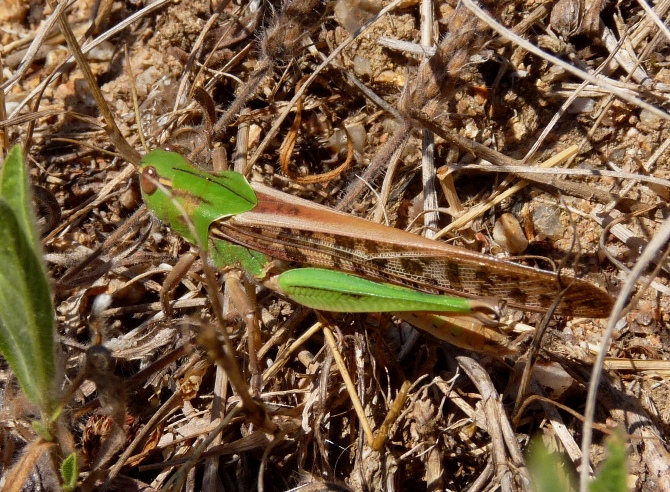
360, 102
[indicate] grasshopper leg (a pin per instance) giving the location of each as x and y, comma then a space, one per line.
244, 300
178, 272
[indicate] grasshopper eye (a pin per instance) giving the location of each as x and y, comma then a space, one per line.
148, 180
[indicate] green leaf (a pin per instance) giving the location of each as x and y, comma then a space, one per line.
549, 473
612, 474
15, 188
69, 471
26, 312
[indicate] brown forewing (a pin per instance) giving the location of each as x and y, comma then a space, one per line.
296, 230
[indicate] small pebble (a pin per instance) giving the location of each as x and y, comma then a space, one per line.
644, 318
508, 234
582, 105
650, 120
546, 221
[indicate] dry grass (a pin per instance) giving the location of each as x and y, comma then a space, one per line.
279, 84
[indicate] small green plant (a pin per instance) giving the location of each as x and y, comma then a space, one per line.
550, 473
69, 471
26, 314
612, 473
26, 311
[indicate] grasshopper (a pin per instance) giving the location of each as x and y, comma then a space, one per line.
348, 264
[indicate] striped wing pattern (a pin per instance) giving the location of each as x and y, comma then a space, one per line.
296, 230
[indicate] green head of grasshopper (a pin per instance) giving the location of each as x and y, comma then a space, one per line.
179, 193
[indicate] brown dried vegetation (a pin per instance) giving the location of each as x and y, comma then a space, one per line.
223, 82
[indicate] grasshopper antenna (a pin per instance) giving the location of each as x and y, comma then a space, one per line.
129, 153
